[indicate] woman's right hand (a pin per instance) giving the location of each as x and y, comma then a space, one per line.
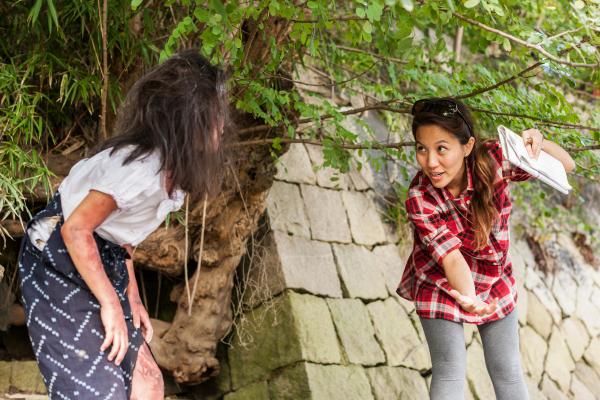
474, 304
115, 331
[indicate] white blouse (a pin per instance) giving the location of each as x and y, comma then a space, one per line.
138, 188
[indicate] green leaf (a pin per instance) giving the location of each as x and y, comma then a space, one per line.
135, 4
578, 4
374, 11
367, 27
360, 12
506, 44
35, 11
471, 3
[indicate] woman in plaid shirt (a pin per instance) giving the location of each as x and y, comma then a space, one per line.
459, 270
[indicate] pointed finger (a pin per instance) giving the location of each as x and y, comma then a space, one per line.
108, 339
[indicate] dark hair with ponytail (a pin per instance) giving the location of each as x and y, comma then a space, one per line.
482, 211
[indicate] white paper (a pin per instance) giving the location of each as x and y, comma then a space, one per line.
546, 168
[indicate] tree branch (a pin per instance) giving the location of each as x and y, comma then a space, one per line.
541, 121
583, 148
386, 58
523, 43
347, 146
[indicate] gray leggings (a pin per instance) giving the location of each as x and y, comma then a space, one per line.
447, 348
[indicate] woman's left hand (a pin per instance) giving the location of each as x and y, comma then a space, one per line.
139, 314
533, 139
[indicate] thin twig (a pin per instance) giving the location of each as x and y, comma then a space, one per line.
523, 43
199, 254
387, 58
584, 148
541, 121
104, 27
348, 146
185, 252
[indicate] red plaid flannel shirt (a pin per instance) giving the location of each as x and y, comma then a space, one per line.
440, 226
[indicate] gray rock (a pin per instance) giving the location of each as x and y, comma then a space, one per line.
294, 166
580, 391
397, 335
315, 329
355, 331
564, 289
576, 336
390, 264
477, 374
551, 390
326, 214
538, 316
559, 363
254, 391
393, 383
587, 376
308, 265
365, 221
533, 353
338, 382
359, 272
536, 284
326, 176
286, 209
534, 392
592, 354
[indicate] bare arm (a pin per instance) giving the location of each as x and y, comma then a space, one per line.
460, 279
535, 142
77, 233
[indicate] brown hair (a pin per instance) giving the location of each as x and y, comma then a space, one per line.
482, 211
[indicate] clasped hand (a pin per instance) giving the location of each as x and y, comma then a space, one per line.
474, 304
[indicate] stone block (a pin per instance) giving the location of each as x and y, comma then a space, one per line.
587, 376
534, 392
354, 328
390, 264
365, 221
592, 354
397, 336
290, 383
585, 308
533, 353
564, 289
308, 265
308, 381
580, 391
295, 166
477, 374
338, 382
26, 377
266, 339
5, 372
326, 177
315, 329
359, 272
361, 178
326, 214
254, 391
392, 383
576, 335
538, 316
534, 282
551, 390
559, 363
285, 208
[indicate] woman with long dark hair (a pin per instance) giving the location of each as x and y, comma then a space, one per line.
459, 270
88, 327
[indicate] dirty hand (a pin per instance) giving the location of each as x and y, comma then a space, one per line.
140, 315
115, 330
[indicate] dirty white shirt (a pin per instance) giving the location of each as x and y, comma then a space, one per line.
138, 188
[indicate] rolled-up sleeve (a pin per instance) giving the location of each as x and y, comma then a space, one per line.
430, 226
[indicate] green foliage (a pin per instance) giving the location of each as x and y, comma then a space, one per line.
377, 50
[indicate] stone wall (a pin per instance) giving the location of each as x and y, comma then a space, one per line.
335, 328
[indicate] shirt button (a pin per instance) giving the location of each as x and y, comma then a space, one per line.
490, 251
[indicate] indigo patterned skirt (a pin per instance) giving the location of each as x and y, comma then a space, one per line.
63, 318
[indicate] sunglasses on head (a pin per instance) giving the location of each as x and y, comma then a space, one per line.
441, 107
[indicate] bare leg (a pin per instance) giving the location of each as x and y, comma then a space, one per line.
147, 381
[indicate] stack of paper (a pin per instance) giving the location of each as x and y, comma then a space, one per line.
546, 168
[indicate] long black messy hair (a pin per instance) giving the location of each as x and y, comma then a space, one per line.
178, 109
